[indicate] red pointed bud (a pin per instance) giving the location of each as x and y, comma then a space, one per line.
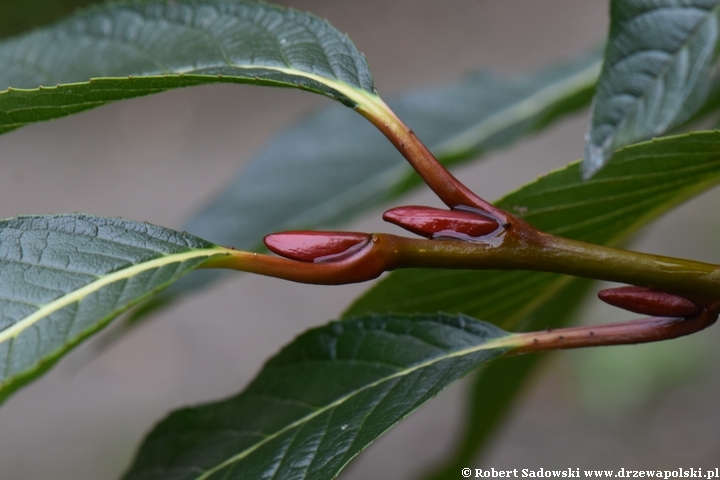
310, 246
649, 302
434, 222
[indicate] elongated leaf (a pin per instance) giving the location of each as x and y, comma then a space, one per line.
639, 184
655, 75
321, 400
87, 60
287, 425
496, 386
63, 277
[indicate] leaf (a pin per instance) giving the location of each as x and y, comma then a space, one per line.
288, 425
641, 183
638, 185
321, 400
655, 76
64, 277
496, 386
125, 50
353, 168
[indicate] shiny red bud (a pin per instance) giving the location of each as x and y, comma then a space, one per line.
649, 302
310, 246
432, 222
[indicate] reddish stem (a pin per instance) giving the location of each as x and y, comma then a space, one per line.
448, 188
644, 330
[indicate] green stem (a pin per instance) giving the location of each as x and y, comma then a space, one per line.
695, 280
521, 246
511, 250
547, 253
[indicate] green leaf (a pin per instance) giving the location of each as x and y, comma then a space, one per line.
353, 168
655, 76
321, 400
639, 184
289, 424
63, 277
125, 50
496, 386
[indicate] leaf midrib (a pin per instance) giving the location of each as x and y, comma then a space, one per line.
663, 71
77, 295
360, 97
507, 342
526, 108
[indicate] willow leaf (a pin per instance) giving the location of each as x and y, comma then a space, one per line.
321, 400
639, 184
63, 277
496, 386
125, 50
656, 72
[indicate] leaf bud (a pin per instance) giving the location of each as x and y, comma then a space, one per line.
646, 301
435, 222
311, 246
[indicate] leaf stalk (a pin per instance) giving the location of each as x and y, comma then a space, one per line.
644, 330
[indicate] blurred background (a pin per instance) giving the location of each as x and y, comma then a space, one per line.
160, 158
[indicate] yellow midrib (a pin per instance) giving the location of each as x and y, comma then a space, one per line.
79, 294
508, 341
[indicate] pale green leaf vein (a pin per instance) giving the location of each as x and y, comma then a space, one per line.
497, 343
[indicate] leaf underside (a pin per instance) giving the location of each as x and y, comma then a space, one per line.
125, 50
321, 400
63, 277
655, 76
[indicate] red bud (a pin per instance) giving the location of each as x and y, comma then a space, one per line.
649, 302
432, 222
310, 246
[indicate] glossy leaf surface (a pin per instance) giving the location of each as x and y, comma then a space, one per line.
63, 277
655, 76
125, 50
321, 400
639, 184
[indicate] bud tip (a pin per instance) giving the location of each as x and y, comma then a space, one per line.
434, 222
646, 301
311, 246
